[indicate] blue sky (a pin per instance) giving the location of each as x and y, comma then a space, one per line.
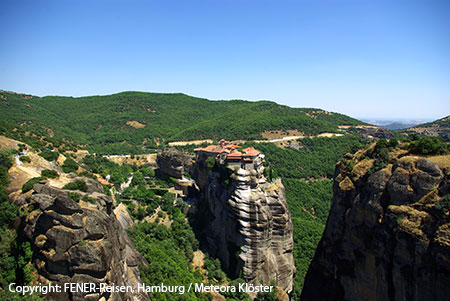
367, 59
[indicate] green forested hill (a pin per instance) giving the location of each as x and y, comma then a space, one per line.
99, 123
440, 127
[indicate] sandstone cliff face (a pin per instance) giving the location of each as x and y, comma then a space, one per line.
248, 226
387, 236
80, 241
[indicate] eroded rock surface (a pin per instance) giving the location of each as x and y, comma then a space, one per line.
81, 241
247, 223
387, 236
174, 163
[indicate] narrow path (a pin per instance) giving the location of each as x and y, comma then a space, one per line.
287, 138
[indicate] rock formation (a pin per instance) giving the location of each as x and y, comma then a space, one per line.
388, 233
245, 222
375, 133
173, 163
80, 241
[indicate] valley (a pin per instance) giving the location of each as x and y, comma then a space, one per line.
165, 205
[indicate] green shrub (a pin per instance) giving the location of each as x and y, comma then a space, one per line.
29, 184
399, 219
74, 196
212, 265
49, 155
5, 163
429, 146
138, 178
102, 166
139, 213
210, 162
69, 165
87, 174
269, 296
393, 143
381, 154
444, 204
131, 207
89, 199
25, 159
76, 185
168, 197
147, 171
381, 144
384, 155
8, 213
21, 147
106, 189
377, 165
49, 173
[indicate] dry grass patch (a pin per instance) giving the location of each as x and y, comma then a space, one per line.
443, 161
280, 134
135, 124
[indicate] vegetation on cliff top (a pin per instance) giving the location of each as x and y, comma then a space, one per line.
429, 146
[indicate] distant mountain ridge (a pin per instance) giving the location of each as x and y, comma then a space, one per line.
130, 120
399, 125
394, 124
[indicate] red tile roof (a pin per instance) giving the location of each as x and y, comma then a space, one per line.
210, 149
235, 155
250, 152
231, 150
223, 147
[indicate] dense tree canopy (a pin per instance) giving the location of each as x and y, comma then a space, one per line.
15, 249
128, 121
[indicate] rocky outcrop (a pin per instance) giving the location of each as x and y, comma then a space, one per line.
174, 163
80, 241
388, 233
246, 223
375, 133
124, 218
